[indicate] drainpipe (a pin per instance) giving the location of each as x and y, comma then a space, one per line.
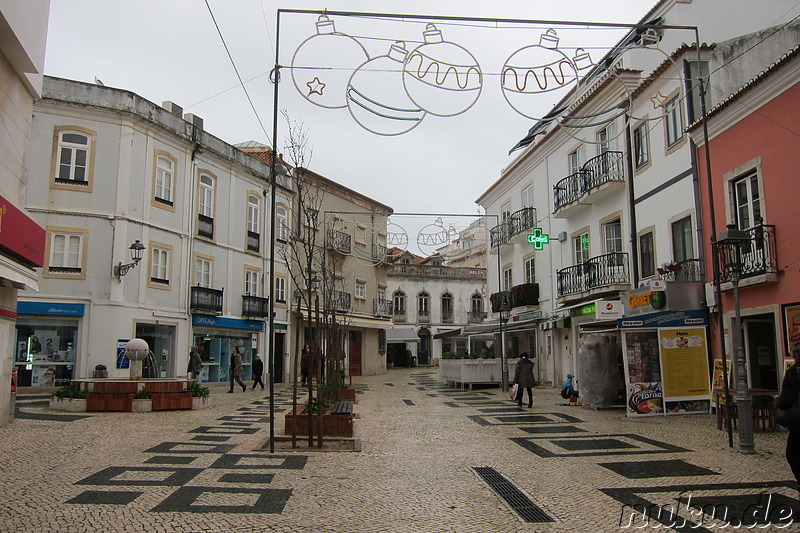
631, 203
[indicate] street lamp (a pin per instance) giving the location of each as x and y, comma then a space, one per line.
136, 255
728, 246
505, 311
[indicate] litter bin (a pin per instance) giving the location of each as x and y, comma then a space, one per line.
100, 371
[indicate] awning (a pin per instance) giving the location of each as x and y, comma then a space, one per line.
19, 277
443, 334
368, 323
401, 334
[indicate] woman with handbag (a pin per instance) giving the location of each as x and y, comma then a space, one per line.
787, 403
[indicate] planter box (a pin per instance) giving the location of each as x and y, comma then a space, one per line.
199, 403
119, 387
109, 401
141, 405
332, 425
75, 405
167, 401
163, 386
349, 393
470, 371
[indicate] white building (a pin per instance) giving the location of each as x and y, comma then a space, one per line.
22, 48
613, 181
110, 171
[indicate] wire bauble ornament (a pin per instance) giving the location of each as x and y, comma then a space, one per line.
434, 236
376, 97
396, 240
441, 77
535, 70
323, 64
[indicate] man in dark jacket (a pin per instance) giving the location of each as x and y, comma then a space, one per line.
258, 370
790, 390
523, 377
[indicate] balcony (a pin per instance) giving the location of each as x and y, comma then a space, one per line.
433, 271
205, 226
206, 300
758, 257
341, 301
476, 317
255, 306
447, 317
399, 316
379, 253
686, 270
519, 222
339, 241
524, 295
423, 317
382, 307
500, 300
597, 178
598, 274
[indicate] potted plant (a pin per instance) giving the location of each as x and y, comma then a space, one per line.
142, 402
69, 398
200, 395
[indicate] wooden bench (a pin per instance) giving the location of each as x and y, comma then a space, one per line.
342, 408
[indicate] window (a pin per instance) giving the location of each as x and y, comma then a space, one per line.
607, 139
476, 303
164, 180
159, 265
527, 196
530, 270
674, 118
641, 149
746, 201
360, 234
647, 258
202, 272
423, 303
507, 279
505, 212
361, 289
73, 158
612, 236
251, 282
253, 222
205, 207
692, 73
399, 302
66, 253
682, 245
280, 289
281, 219
447, 307
577, 159
580, 248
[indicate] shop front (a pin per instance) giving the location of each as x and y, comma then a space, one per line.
665, 347
215, 338
46, 343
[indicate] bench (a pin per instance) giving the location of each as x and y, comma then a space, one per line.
342, 408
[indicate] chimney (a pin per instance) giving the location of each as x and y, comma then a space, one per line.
173, 108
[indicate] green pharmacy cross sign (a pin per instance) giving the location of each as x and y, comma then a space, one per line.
538, 239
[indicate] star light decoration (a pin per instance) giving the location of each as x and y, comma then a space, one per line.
315, 86
659, 100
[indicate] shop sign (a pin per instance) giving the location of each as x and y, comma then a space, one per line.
667, 319
122, 359
20, 235
608, 310
588, 309
538, 238
231, 323
50, 308
531, 315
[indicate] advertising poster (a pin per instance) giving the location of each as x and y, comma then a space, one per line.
684, 366
791, 314
645, 399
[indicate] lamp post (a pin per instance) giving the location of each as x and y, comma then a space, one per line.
728, 246
136, 255
505, 311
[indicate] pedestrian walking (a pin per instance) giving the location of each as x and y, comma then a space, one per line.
790, 393
523, 377
195, 362
258, 370
236, 371
305, 362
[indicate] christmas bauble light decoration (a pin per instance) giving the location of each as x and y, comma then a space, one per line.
396, 240
323, 63
434, 236
536, 70
376, 97
441, 77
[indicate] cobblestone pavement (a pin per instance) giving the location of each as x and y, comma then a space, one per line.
432, 459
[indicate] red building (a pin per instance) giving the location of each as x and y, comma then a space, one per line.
754, 147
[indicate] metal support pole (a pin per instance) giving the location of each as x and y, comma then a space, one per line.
744, 400
503, 362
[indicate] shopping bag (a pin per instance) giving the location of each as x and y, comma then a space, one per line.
512, 391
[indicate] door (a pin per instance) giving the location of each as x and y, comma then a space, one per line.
355, 353
280, 347
761, 353
161, 341
424, 353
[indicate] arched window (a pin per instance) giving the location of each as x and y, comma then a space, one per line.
399, 302
423, 304
447, 308
476, 303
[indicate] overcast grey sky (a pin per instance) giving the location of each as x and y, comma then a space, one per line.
170, 50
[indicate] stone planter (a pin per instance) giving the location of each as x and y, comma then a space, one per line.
75, 405
470, 371
332, 425
200, 403
141, 405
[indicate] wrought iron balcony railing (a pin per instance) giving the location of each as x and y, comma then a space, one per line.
604, 168
601, 271
500, 300
686, 270
399, 317
379, 252
423, 317
255, 306
758, 256
519, 222
447, 317
206, 300
341, 301
476, 317
525, 294
382, 307
205, 226
339, 241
